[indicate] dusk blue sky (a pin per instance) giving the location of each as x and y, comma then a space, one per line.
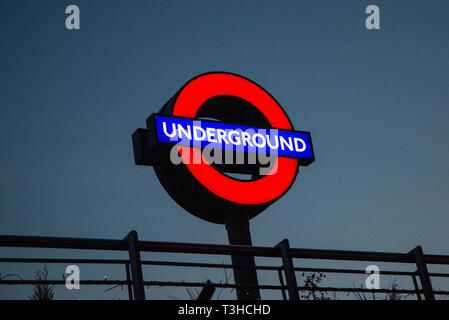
375, 102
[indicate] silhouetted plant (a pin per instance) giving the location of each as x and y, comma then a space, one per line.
392, 295
312, 280
42, 291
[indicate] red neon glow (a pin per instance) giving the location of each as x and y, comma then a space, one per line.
268, 188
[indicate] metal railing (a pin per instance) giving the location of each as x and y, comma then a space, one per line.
286, 271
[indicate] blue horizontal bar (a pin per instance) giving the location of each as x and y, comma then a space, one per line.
219, 135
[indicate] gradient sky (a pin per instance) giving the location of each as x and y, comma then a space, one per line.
376, 103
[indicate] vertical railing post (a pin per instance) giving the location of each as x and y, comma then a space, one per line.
281, 281
128, 279
415, 284
424, 278
136, 266
289, 270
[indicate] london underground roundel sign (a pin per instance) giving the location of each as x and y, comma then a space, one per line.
222, 145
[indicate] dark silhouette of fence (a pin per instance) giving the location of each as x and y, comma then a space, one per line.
286, 271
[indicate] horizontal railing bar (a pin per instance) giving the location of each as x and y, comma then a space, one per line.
442, 275
363, 256
146, 283
207, 265
295, 253
217, 285
350, 255
442, 293
61, 243
156, 246
58, 282
275, 268
353, 271
199, 248
272, 252
49, 260
118, 261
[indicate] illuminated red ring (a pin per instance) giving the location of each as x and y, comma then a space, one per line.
263, 190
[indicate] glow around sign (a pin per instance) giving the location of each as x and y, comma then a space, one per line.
219, 135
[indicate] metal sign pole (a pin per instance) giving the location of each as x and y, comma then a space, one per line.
237, 226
